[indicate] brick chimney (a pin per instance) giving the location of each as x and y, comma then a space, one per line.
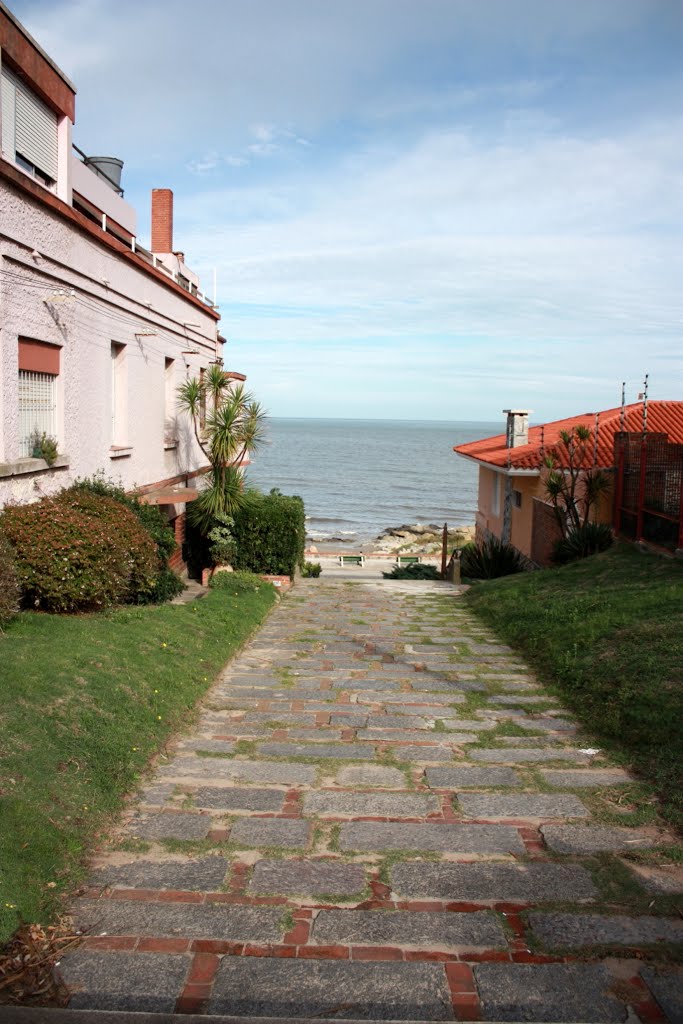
162, 220
517, 429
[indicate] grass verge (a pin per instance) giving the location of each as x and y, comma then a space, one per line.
85, 702
607, 634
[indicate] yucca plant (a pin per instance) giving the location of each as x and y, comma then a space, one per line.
228, 426
489, 560
587, 539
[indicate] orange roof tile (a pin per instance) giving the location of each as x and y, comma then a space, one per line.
662, 417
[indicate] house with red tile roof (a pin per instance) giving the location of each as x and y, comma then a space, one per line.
512, 503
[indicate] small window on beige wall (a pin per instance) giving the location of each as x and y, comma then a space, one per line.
169, 400
495, 494
119, 397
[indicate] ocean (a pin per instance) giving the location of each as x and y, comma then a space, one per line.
358, 477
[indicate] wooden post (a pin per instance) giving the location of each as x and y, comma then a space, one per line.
444, 549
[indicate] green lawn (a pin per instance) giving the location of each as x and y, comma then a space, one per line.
607, 632
85, 701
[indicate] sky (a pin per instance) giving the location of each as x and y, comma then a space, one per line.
416, 209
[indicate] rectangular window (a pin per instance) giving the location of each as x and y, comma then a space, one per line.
38, 374
118, 394
169, 400
517, 499
495, 494
29, 129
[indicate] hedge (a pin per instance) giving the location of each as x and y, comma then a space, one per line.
270, 531
9, 587
78, 551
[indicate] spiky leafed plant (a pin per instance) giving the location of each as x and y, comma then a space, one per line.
228, 426
573, 483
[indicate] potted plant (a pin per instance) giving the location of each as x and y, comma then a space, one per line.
43, 447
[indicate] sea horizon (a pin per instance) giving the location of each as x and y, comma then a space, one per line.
358, 477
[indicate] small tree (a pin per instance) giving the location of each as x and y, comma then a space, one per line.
228, 426
573, 482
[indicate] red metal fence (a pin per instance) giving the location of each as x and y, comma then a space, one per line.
648, 500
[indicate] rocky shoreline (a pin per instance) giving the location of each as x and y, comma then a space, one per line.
410, 538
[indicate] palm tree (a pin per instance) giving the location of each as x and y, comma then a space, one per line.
228, 425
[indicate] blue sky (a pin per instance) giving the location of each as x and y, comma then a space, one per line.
416, 208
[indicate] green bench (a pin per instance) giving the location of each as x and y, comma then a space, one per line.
408, 559
351, 560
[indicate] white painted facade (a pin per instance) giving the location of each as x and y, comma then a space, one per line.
126, 331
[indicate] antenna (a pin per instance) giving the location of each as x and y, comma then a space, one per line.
644, 397
623, 405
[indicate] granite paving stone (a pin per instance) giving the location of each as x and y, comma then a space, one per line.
329, 804
307, 877
270, 832
663, 879
547, 992
215, 769
315, 734
571, 778
468, 724
399, 722
468, 775
371, 775
190, 920
425, 753
268, 987
514, 756
594, 839
493, 882
667, 988
405, 699
349, 720
214, 746
481, 929
559, 931
522, 805
208, 873
415, 736
447, 838
157, 795
346, 751
232, 798
170, 825
148, 982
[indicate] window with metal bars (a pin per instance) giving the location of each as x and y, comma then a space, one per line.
37, 407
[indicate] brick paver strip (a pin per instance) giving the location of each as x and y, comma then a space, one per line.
371, 775
328, 804
170, 825
578, 778
124, 981
270, 832
188, 920
207, 873
522, 805
512, 755
493, 882
587, 839
223, 798
443, 930
547, 992
261, 987
667, 988
557, 931
215, 769
367, 835
307, 877
467, 775
350, 751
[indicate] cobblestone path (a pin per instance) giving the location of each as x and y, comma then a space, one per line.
380, 815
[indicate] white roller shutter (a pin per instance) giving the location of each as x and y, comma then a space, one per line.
35, 127
8, 93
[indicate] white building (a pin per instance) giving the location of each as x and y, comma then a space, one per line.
96, 332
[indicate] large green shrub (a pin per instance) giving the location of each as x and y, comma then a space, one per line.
9, 587
413, 571
269, 533
79, 551
168, 583
489, 560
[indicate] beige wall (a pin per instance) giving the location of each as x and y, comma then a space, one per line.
488, 520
